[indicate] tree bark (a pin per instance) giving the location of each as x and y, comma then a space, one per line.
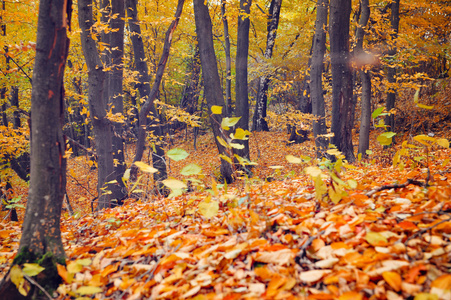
150, 95
316, 82
98, 103
342, 84
41, 235
228, 93
212, 83
259, 123
115, 80
391, 71
241, 84
359, 53
190, 95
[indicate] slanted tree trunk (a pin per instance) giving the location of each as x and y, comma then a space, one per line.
115, 79
359, 55
41, 236
259, 123
342, 84
228, 93
241, 84
144, 88
212, 83
316, 82
98, 103
391, 70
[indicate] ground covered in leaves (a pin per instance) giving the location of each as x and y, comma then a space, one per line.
273, 236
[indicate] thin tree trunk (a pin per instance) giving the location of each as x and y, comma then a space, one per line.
391, 71
212, 84
342, 84
98, 103
316, 82
146, 93
225, 23
365, 115
259, 123
41, 235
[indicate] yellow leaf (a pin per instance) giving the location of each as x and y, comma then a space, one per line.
423, 138
208, 208
145, 167
88, 290
222, 142
226, 158
375, 238
174, 184
293, 159
313, 171
216, 110
32, 269
425, 106
393, 279
443, 142
426, 296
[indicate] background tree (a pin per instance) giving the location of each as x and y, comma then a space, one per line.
41, 236
342, 84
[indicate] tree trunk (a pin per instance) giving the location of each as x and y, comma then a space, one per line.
365, 115
41, 236
98, 103
144, 88
212, 83
241, 84
316, 82
191, 91
225, 23
259, 123
342, 85
391, 71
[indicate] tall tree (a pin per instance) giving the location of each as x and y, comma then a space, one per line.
98, 103
212, 83
342, 84
360, 58
259, 123
144, 87
316, 82
391, 70
228, 90
41, 236
241, 84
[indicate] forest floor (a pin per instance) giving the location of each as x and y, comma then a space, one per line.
377, 229
266, 237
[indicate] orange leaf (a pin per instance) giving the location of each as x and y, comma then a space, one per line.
443, 282
62, 272
407, 225
393, 279
274, 285
353, 295
413, 273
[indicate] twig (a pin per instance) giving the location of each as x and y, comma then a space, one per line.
81, 146
397, 186
31, 280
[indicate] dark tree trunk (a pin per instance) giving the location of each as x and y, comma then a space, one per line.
316, 82
259, 123
191, 91
365, 115
228, 93
98, 103
391, 71
115, 79
212, 83
41, 235
241, 84
342, 84
15, 105
144, 89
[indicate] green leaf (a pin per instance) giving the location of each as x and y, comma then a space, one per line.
88, 290
32, 269
377, 112
208, 208
177, 154
293, 159
145, 167
216, 110
191, 169
174, 184
229, 122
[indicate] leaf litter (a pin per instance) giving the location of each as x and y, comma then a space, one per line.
267, 238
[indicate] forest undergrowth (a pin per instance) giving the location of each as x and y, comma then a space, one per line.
270, 236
